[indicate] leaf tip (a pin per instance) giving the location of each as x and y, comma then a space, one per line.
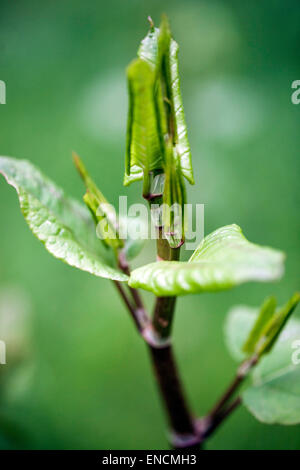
79, 165
151, 22
296, 297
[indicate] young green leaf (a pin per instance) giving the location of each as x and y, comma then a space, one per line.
275, 325
266, 312
174, 199
224, 259
62, 224
110, 225
155, 109
103, 213
273, 396
143, 146
238, 325
161, 52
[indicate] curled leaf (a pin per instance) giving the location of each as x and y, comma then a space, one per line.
143, 146
174, 199
224, 259
275, 325
161, 52
266, 312
155, 110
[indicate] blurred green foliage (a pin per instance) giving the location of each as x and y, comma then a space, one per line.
87, 382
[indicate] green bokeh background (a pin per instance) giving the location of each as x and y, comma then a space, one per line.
86, 382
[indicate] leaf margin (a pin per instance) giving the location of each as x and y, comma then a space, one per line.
101, 268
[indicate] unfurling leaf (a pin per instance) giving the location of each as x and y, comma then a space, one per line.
63, 225
143, 146
155, 114
274, 395
275, 325
161, 51
266, 312
174, 199
103, 213
111, 225
224, 259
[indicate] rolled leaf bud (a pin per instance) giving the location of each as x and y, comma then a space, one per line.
143, 152
156, 114
174, 198
269, 325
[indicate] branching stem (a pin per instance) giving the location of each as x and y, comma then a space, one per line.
241, 374
221, 410
183, 432
138, 315
207, 425
124, 266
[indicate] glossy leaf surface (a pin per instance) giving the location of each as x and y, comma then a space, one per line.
62, 224
224, 259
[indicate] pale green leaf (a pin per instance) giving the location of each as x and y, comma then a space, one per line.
63, 225
274, 395
103, 213
239, 323
149, 51
136, 174
109, 223
224, 259
275, 325
143, 146
266, 313
174, 199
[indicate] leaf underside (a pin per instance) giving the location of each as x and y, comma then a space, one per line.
274, 395
224, 259
62, 224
